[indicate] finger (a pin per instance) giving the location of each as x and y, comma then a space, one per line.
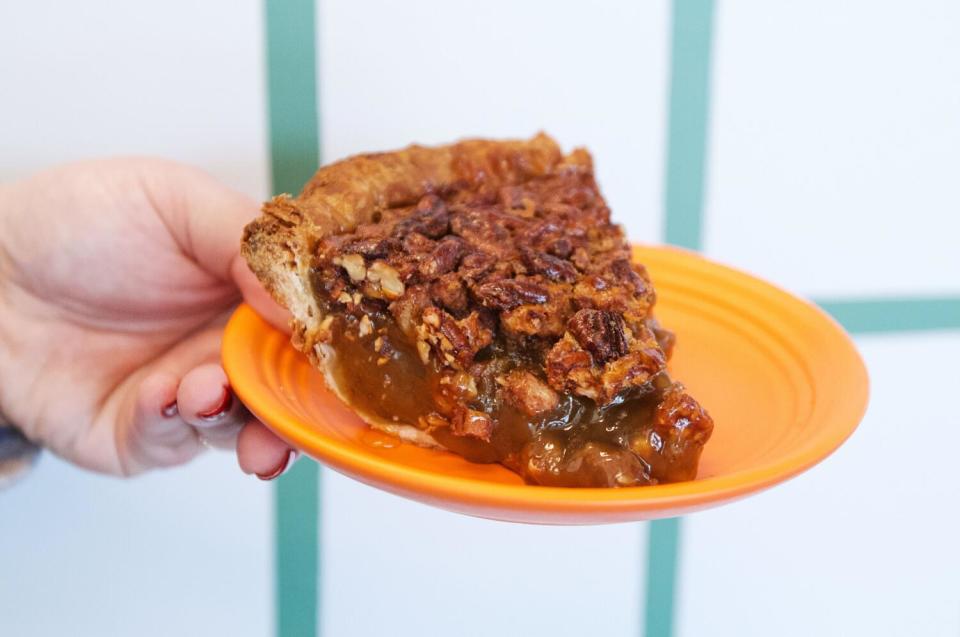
210, 218
206, 402
204, 216
257, 297
262, 453
157, 436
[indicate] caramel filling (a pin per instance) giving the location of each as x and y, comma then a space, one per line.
574, 444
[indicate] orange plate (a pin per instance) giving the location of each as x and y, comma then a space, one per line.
783, 382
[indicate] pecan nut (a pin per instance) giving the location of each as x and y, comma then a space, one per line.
554, 268
507, 294
600, 333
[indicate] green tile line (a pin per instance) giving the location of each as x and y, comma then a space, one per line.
664, 543
865, 316
687, 128
292, 91
297, 551
691, 42
294, 156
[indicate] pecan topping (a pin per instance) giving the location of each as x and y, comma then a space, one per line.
372, 247
600, 333
533, 268
480, 228
571, 366
456, 341
430, 219
443, 258
450, 293
528, 393
354, 265
507, 294
625, 273
475, 265
388, 278
561, 247
553, 268
416, 244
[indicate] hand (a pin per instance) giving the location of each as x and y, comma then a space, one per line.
116, 278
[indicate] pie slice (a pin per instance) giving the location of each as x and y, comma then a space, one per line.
476, 297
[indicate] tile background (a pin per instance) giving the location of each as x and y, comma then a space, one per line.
832, 155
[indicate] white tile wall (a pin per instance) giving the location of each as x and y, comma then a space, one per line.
865, 543
392, 566
184, 552
835, 145
832, 171
180, 79
171, 553
434, 71
833, 153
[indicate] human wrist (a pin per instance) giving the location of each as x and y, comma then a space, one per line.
6, 353
17, 453
5, 301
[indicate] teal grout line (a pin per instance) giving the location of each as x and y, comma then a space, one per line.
294, 157
683, 226
292, 90
664, 543
297, 551
865, 316
687, 128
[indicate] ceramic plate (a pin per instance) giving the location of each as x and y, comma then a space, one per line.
783, 382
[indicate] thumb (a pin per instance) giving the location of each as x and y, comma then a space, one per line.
206, 219
204, 216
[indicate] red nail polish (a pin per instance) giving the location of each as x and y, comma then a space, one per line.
221, 408
169, 411
282, 468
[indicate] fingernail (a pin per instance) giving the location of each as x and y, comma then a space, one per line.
221, 408
169, 411
282, 468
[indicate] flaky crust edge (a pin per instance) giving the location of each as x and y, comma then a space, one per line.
279, 244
